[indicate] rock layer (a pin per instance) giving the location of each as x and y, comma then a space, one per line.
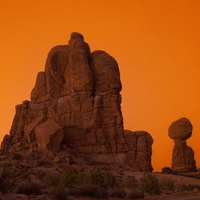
76, 105
183, 156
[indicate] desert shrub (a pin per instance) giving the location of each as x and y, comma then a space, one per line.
52, 180
131, 182
91, 161
17, 156
71, 177
45, 163
6, 177
40, 174
71, 160
7, 165
28, 188
68, 178
119, 183
2, 152
168, 170
188, 187
167, 184
56, 185
89, 191
59, 192
21, 166
24, 147
118, 192
109, 180
100, 178
135, 194
150, 185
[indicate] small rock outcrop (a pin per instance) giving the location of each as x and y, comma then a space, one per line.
76, 107
183, 156
140, 149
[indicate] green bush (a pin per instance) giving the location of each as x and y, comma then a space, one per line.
118, 192
40, 174
68, 178
17, 156
167, 184
21, 166
167, 170
135, 194
150, 185
28, 188
89, 191
188, 187
91, 161
59, 192
52, 180
71, 177
2, 152
100, 178
6, 177
46, 163
131, 182
56, 184
71, 160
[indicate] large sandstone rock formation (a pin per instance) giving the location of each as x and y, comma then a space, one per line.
183, 156
75, 107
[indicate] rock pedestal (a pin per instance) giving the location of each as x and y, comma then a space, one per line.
183, 156
76, 105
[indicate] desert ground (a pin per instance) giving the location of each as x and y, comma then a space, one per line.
184, 187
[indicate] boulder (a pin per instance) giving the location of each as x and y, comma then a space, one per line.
49, 135
180, 129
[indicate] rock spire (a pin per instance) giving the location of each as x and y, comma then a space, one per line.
75, 107
183, 155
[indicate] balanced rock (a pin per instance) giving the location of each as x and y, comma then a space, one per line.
76, 107
182, 156
180, 129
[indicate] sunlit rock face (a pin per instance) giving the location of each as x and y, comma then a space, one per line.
183, 156
76, 106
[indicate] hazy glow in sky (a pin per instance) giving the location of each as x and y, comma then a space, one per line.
156, 44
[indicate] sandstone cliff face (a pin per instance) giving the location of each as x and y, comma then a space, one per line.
183, 156
139, 155
75, 107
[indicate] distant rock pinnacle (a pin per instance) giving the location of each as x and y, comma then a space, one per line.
183, 156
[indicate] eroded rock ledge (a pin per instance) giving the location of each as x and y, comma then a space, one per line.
75, 108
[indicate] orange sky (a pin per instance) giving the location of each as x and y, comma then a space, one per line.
156, 44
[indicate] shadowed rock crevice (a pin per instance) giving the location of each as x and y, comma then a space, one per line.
76, 105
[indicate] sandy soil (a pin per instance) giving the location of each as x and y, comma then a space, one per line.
174, 198
161, 197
